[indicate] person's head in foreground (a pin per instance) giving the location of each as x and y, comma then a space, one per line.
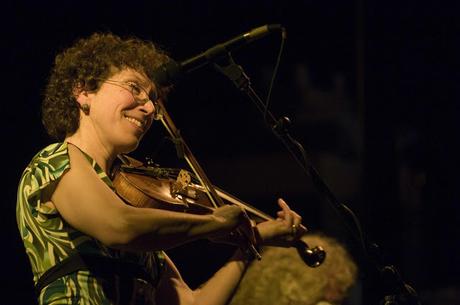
282, 278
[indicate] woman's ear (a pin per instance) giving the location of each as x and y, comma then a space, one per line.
80, 93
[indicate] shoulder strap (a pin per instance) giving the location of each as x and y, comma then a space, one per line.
99, 265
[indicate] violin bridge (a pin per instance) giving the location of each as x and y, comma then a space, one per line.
180, 188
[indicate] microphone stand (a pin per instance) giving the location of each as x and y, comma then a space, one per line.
395, 290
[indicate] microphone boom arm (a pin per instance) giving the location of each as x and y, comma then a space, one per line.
173, 71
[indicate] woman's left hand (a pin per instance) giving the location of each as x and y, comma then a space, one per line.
282, 231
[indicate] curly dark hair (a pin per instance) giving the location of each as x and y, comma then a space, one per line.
82, 65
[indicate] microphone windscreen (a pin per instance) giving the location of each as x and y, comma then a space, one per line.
167, 74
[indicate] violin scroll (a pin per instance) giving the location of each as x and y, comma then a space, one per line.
313, 257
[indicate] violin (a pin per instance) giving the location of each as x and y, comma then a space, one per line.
145, 186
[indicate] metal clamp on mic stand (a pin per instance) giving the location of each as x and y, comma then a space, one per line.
395, 291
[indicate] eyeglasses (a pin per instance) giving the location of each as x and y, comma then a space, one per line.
136, 90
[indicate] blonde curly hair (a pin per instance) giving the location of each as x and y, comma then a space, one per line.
282, 278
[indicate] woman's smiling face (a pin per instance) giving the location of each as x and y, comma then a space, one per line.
122, 111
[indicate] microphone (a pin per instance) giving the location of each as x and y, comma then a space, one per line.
170, 72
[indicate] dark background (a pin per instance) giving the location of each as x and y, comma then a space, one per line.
371, 89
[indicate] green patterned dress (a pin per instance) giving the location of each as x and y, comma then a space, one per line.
49, 239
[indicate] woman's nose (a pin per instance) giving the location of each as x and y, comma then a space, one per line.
148, 107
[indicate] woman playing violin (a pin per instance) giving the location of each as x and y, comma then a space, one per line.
84, 243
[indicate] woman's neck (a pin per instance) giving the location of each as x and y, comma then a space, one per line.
103, 155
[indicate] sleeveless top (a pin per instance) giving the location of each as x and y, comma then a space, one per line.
48, 239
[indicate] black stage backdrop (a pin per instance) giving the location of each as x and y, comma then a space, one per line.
370, 89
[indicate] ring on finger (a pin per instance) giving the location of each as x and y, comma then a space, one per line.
294, 230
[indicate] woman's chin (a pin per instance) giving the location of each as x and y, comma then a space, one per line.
128, 147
